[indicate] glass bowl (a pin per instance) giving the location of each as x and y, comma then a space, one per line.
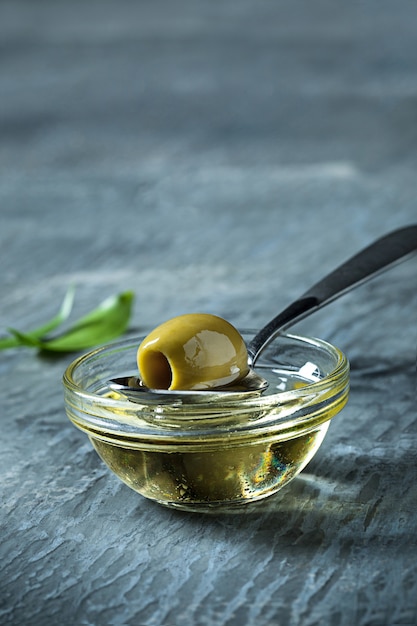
215, 453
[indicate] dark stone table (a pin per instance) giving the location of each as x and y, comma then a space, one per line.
216, 156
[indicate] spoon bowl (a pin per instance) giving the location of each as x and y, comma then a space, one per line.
132, 387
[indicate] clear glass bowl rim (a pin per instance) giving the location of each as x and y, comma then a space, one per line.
97, 415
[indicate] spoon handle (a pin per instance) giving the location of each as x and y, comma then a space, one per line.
380, 255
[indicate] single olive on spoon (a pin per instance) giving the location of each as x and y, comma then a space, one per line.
198, 357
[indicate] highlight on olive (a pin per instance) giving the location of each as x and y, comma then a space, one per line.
195, 351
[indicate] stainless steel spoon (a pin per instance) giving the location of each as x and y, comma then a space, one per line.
393, 248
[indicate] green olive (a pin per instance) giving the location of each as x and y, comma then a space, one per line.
192, 352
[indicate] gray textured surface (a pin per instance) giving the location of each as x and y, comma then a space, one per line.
218, 157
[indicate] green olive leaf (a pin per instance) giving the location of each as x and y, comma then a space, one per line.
10, 342
25, 339
109, 320
63, 314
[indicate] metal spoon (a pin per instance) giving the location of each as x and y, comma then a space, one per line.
393, 248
